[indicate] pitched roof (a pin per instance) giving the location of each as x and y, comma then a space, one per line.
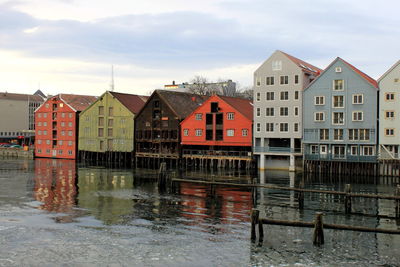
362, 74
181, 103
78, 102
20, 97
389, 70
302, 64
132, 102
242, 105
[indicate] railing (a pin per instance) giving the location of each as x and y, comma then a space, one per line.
276, 149
348, 158
216, 153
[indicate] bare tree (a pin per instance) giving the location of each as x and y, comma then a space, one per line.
199, 85
203, 86
245, 92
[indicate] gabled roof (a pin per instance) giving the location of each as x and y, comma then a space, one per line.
20, 97
389, 70
244, 106
181, 103
132, 102
362, 74
77, 102
307, 67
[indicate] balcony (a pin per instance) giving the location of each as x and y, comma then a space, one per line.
348, 158
216, 153
277, 150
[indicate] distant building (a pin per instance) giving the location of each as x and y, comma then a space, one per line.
107, 125
158, 126
17, 115
340, 113
57, 123
278, 100
227, 88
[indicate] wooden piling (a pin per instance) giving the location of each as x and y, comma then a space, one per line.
347, 199
255, 215
397, 194
300, 195
318, 238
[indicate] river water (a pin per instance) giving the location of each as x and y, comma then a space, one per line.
54, 213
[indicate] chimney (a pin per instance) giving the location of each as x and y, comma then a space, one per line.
173, 82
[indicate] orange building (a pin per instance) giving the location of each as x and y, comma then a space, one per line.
56, 125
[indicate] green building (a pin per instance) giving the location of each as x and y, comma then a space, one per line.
106, 128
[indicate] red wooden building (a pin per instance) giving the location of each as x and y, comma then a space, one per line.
56, 125
220, 129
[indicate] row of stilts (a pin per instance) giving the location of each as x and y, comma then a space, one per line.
108, 158
341, 167
220, 163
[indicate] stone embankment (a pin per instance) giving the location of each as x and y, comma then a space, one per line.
16, 153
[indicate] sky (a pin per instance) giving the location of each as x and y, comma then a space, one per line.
69, 46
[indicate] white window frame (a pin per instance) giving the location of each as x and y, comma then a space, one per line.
185, 132
245, 132
298, 95
391, 113
356, 96
258, 112
270, 80
280, 127
343, 102
230, 116
319, 97
319, 113
268, 114
390, 94
325, 136
258, 96
284, 93
285, 79
314, 149
199, 132
338, 123
269, 129
258, 81
352, 152
294, 111
280, 111
389, 134
198, 116
370, 149
258, 127
230, 132
294, 127
357, 118
334, 85
336, 134
268, 96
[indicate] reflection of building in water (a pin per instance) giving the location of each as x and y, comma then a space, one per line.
55, 184
229, 205
106, 193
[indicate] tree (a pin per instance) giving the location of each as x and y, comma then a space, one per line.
199, 85
245, 92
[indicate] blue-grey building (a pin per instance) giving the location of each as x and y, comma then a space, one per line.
340, 114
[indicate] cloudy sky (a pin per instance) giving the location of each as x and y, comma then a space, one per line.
69, 46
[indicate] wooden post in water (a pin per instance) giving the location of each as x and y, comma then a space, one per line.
260, 231
255, 214
347, 199
318, 238
397, 201
254, 192
162, 176
300, 195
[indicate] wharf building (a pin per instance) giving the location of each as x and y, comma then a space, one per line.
158, 130
17, 121
219, 133
340, 112
389, 111
278, 102
57, 124
106, 128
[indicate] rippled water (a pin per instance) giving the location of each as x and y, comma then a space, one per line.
53, 213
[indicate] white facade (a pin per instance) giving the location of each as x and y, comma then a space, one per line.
278, 87
389, 113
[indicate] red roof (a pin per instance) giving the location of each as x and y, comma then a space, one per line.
132, 102
242, 105
304, 65
362, 74
78, 102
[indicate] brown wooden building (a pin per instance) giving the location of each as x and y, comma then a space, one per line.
157, 135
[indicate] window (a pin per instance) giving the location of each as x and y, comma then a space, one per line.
368, 150
258, 127
101, 121
101, 145
258, 81
276, 65
354, 150
44, 115
39, 151
338, 101
122, 121
338, 85
296, 79
359, 134
230, 116
296, 127
70, 115
270, 80
111, 111
283, 127
269, 112
389, 131
245, 132
319, 116
60, 142
284, 111
48, 142
39, 123
284, 79
39, 115
296, 95
198, 116
110, 122
63, 115
101, 110
319, 100
39, 132
338, 118
270, 96
47, 105
185, 132
110, 132
199, 132
314, 149
70, 152
230, 132
323, 134
338, 151
69, 133
389, 96
258, 112
70, 124
389, 114
357, 116
285, 95
338, 134
60, 152
269, 127
39, 142
358, 99
258, 96
62, 133
101, 132
296, 111
44, 132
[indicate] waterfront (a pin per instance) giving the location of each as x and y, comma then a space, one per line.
54, 213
